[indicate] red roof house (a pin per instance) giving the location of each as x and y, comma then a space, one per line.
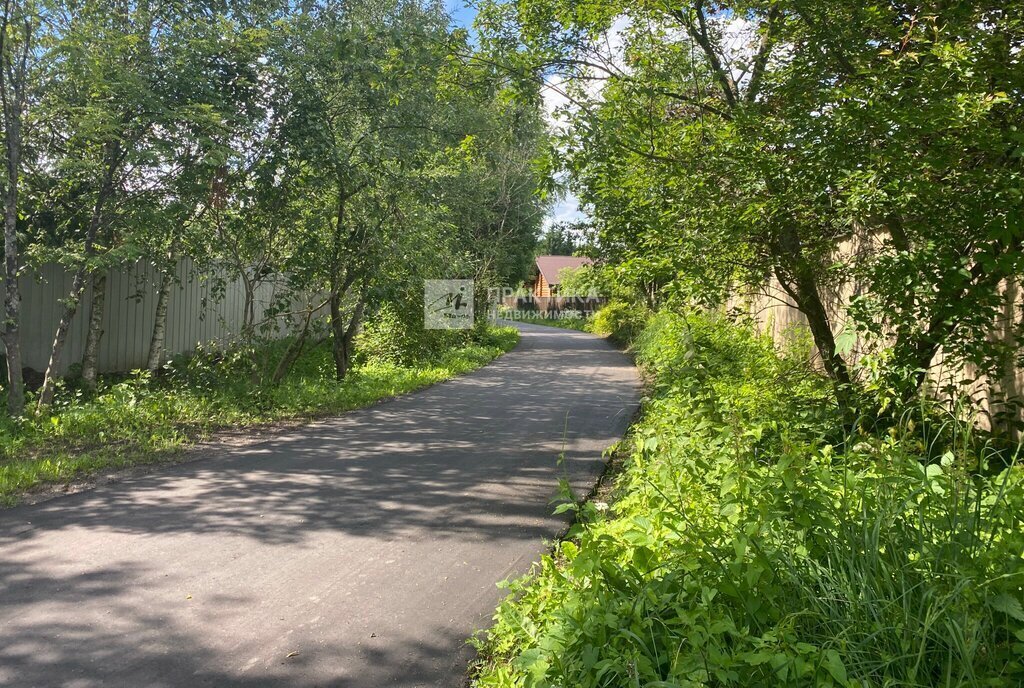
548, 272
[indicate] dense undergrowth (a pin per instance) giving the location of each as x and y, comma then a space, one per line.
753, 542
139, 418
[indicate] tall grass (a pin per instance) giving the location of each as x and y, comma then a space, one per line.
755, 542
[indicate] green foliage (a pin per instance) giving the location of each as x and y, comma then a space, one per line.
396, 336
140, 418
562, 239
323, 151
619, 320
752, 543
399, 338
577, 281
825, 147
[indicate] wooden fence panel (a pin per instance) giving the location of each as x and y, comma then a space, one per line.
774, 313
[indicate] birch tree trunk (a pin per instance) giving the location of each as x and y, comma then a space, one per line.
60, 339
12, 294
12, 305
13, 87
113, 159
90, 357
157, 341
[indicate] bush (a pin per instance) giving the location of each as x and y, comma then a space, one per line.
397, 337
385, 338
747, 548
620, 321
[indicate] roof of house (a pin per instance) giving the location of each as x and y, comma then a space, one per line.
550, 266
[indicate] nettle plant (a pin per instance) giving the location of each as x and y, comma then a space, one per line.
755, 542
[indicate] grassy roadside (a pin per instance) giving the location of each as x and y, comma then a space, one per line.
580, 324
139, 420
753, 542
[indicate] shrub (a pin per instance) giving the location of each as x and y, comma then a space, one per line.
385, 338
748, 548
397, 337
620, 321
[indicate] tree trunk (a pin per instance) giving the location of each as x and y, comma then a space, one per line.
337, 339
157, 341
13, 75
797, 278
90, 357
293, 351
60, 339
338, 290
12, 294
342, 278
12, 332
807, 298
112, 159
248, 306
343, 335
288, 360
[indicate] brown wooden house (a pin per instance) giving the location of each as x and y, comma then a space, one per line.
547, 277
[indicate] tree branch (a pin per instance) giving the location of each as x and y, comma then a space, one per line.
763, 52
699, 33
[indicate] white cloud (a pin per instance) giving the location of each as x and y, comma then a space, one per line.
566, 210
608, 51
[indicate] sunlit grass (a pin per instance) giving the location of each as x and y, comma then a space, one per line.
570, 323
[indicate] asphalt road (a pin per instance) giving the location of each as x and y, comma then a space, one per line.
358, 551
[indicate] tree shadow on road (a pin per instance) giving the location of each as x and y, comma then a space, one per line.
473, 460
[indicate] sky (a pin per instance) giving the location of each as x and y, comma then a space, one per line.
565, 209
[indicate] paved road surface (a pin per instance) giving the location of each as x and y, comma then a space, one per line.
368, 545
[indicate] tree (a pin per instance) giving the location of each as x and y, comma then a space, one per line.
19, 24
723, 144
324, 156
489, 177
102, 100
213, 132
360, 114
562, 239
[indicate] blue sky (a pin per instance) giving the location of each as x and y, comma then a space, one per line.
461, 14
565, 209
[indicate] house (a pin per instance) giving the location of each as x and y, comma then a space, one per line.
547, 271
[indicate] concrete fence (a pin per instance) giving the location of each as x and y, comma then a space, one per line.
197, 313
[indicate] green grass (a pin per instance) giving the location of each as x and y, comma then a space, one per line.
139, 419
753, 541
